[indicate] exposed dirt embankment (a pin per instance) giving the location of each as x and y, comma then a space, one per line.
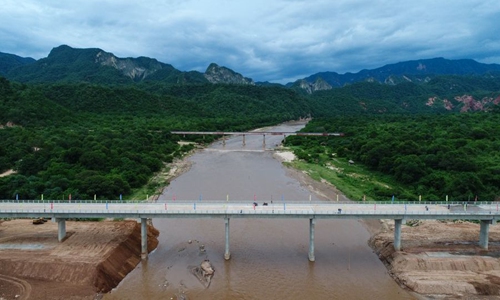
93, 258
442, 258
123, 258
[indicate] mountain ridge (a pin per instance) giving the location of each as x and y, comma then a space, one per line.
421, 70
67, 64
94, 65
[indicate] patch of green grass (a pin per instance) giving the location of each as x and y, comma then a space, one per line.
152, 188
353, 180
142, 193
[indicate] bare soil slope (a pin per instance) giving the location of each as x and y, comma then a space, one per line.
94, 258
442, 258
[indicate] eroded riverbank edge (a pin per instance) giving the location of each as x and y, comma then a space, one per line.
442, 259
93, 259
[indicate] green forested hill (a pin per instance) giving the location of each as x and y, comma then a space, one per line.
106, 140
415, 70
431, 155
375, 98
65, 64
10, 61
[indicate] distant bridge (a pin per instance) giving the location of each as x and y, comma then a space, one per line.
486, 212
263, 133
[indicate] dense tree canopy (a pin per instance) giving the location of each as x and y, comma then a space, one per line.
88, 139
434, 155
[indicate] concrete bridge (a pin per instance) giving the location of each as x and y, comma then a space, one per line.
485, 212
263, 133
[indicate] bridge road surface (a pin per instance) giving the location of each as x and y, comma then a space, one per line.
277, 209
487, 213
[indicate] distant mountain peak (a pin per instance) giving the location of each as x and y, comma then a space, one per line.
421, 70
135, 69
67, 64
218, 74
310, 87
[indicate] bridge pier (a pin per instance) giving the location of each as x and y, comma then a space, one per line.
244, 140
483, 233
227, 254
312, 222
144, 238
61, 229
264, 140
397, 234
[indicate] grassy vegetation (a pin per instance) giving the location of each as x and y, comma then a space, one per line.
152, 188
355, 181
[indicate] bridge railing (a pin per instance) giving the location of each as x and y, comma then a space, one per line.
83, 212
48, 201
259, 202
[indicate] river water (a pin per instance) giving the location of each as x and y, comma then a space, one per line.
269, 257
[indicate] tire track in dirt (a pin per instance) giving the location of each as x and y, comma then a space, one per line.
24, 286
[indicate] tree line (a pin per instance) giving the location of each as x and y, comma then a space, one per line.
83, 139
107, 140
433, 155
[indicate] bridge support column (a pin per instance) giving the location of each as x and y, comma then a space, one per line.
227, 254
397, 234
61, 229
224, 140
483, 234
144, 238
312, 222
264, 139
244, 140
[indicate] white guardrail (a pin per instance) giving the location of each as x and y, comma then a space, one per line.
305, 208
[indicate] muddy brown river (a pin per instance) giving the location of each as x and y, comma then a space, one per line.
269, 257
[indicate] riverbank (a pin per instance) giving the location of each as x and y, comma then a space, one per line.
442, 259
439, 259
173, 170
93, 259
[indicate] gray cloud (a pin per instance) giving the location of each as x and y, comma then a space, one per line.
278, 41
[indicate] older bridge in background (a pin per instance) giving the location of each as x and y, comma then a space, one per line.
263, 133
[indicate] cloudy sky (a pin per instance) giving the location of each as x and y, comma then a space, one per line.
266, 40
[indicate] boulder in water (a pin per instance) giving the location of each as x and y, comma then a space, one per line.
207, 268
204, 272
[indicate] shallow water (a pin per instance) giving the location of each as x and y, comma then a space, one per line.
269, 257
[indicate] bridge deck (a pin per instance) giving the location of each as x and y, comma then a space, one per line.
200, 209
488, 213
